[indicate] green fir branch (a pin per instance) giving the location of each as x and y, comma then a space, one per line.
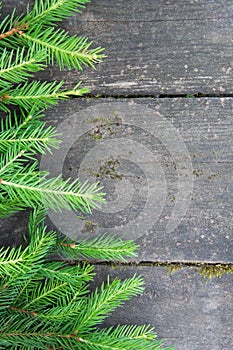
105, 300
124, 337
56, 44
22, 182
33, 188
47, 305
75, 275
14, 160
27, 132
49, 11
47, 295
106, 247
38, 95
69, 51
15, 262
19, 65
36, 219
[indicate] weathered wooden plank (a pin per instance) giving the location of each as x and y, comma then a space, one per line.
185, 309
155, 47
151, 155
151, 10
157, 10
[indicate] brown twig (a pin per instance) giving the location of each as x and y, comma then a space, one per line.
72, 245
13, 31
32, 313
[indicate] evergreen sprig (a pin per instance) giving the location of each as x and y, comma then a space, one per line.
106, 247
19, 65
33, 188
48, 305
27, 132
37, 31
37, 95
51, 11
68, 51
25, 184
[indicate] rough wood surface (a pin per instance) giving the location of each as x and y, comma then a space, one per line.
96, 132
155, 47
185, 309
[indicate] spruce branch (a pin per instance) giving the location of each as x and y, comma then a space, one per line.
18, 65
32, 189
22, 183
125, 337
15, 262
27, 132
50, 11
104, 300
106, 247
13, 161
47, 305
13, 31
10, 162
36, 219
48, 294
68, 51
38, 95
74, 275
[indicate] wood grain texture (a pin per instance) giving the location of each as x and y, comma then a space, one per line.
155, 47
204, 233
185, 309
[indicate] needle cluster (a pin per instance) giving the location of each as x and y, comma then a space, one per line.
48, 304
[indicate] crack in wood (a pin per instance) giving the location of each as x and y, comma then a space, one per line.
162, 96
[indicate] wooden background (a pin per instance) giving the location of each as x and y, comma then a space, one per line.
175, 58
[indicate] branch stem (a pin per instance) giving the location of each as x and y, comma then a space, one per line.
13, 31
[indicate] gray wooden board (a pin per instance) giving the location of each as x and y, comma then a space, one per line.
185, 309
142, 139
154, 47
158, 48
